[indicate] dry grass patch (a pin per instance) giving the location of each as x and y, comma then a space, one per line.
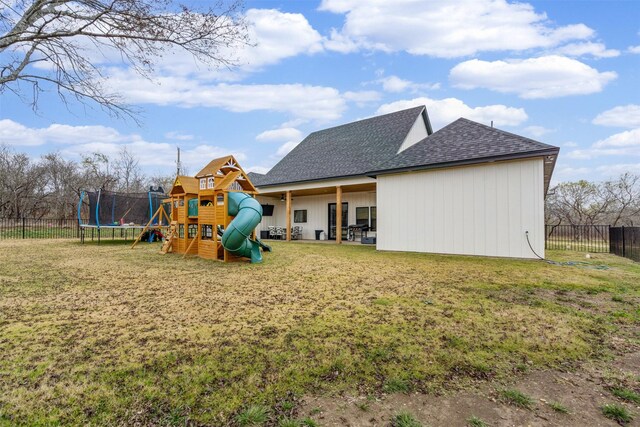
108, 335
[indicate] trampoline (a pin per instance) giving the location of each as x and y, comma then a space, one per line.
110, 210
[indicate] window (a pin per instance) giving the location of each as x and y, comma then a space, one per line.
206, 231
210, 182
220, 200
366, 215
192, 231
374, 221
181, 231
203, 183
300, 216
362, 216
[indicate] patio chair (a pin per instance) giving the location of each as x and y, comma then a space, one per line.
280, 233
272, 232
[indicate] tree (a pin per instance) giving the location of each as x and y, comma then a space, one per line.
63, 183
577, 203
128, 173
46, 42
625, 196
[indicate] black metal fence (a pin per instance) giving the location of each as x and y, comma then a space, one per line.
584, 238
39, 228
44, 228
625, 241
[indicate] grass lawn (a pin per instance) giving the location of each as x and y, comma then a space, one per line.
108, 335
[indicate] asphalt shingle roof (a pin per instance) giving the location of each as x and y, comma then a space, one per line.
346, 150
461, 141
256, 178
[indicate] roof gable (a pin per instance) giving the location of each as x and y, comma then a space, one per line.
346, 150
466, 141
184, 185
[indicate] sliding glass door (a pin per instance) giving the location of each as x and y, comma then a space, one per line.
332, 220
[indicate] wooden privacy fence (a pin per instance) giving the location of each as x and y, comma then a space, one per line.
584, 238
625, 241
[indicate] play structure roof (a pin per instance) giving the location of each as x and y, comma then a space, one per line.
185, 184
219, 166
227, 174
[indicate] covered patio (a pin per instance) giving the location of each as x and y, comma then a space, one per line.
305, 210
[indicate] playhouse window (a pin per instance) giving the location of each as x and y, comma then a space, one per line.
203, 183
300, 216
181, 231
220, 200
210, 182
192, 231
206, 231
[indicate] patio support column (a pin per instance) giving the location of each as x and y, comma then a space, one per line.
288, 216
338, 214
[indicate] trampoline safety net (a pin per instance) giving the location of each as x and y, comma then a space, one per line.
109, 208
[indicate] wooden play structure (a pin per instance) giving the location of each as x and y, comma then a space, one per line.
214, 214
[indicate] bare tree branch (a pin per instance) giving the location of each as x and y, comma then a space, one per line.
47, 41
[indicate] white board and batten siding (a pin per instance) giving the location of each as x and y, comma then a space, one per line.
317, 208
471, 210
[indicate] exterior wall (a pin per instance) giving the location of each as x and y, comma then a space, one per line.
417, 133
317, 211
473, 210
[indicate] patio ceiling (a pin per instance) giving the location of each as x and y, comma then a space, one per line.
321, 190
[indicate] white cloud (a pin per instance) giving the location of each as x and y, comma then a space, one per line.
178, 136
258, 169
569, 144
625, 143
76, 141
278, 35
562, 173
629, 138
286, 148
543, 77
626, 116
597, 50
444, 111
633, 49
446, 29
395, 84
537, 131
288, 137
300, 101
282, 134
362, 97
13, 133
618, 169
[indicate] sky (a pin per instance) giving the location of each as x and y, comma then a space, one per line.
562, 72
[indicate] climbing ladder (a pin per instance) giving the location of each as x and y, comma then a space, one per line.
171, 235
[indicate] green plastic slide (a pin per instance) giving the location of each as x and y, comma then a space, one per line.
248, 214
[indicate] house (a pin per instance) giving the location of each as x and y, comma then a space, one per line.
466, 189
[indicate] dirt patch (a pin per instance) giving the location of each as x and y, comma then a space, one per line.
582, 393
